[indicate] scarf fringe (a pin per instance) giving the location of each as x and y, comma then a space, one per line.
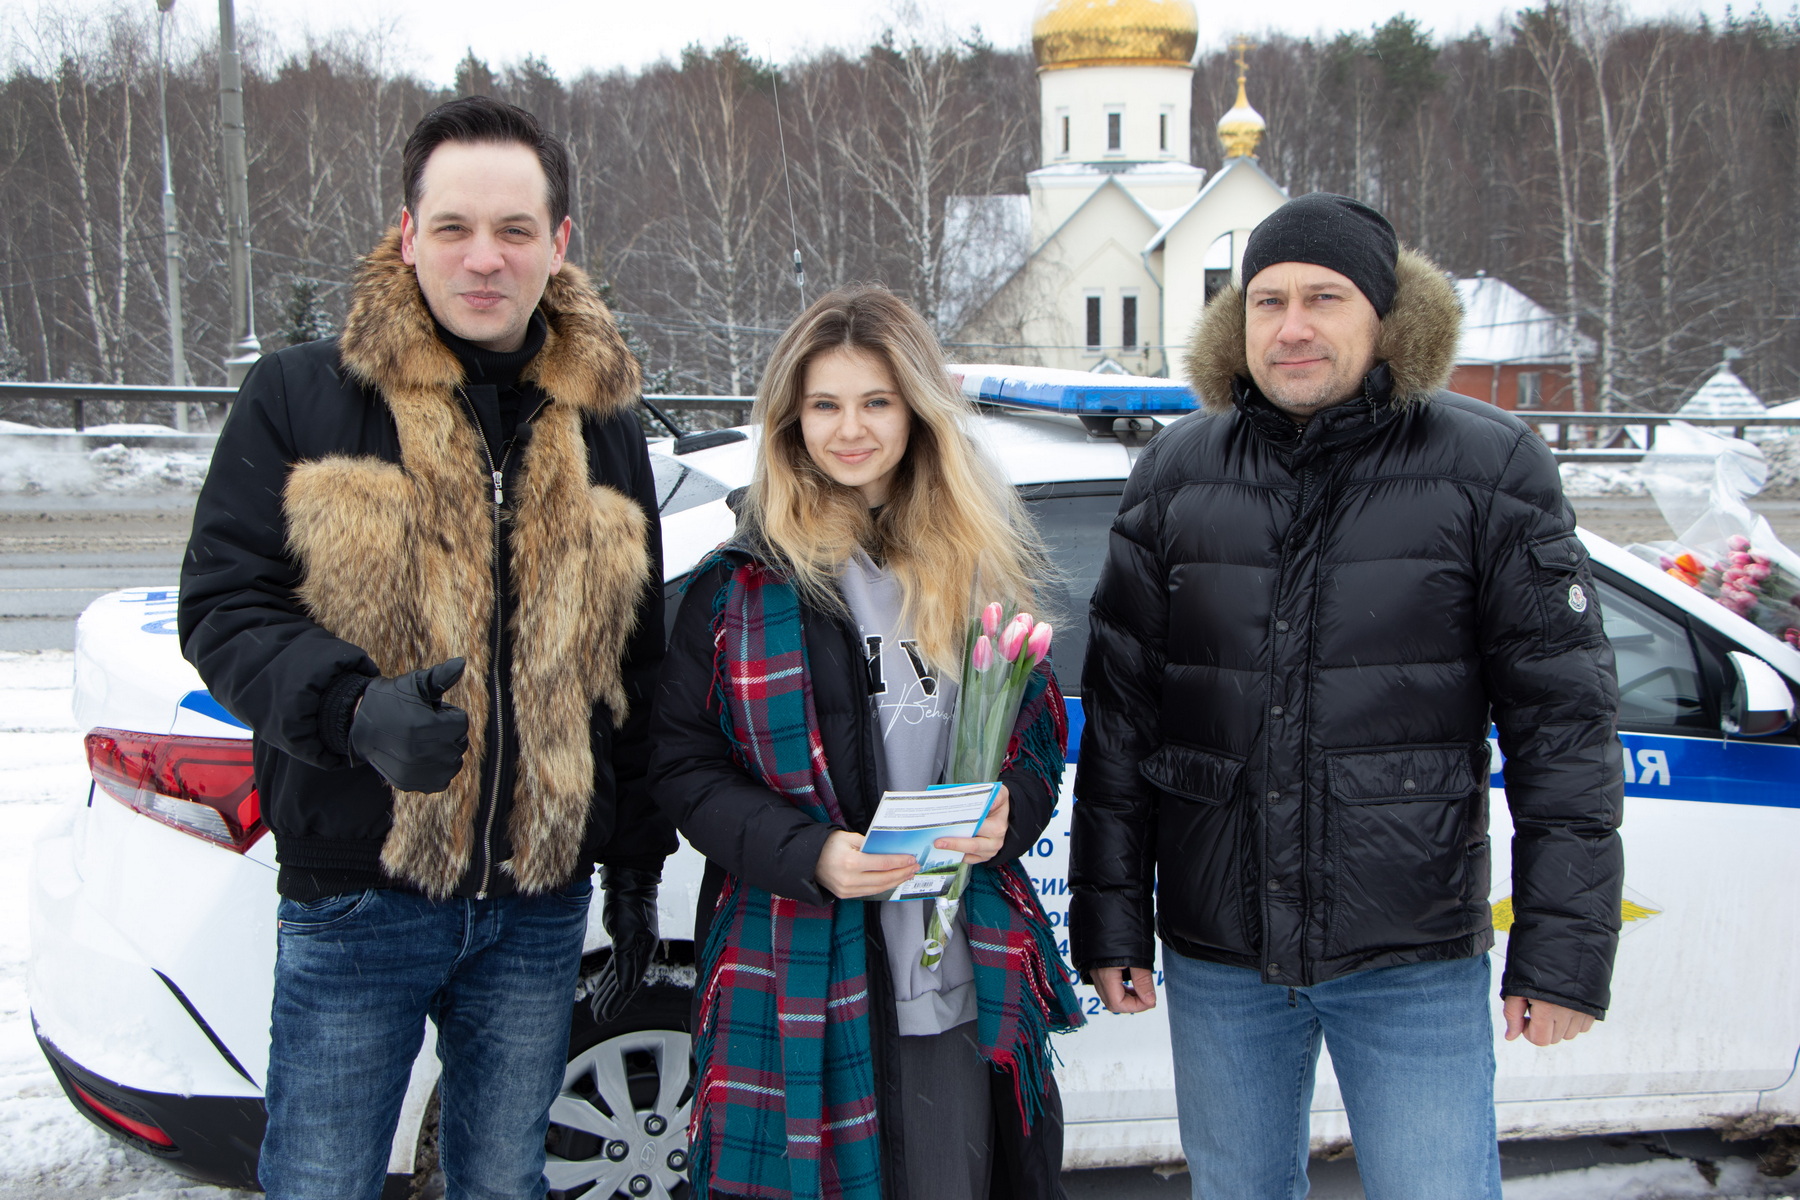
699, 1121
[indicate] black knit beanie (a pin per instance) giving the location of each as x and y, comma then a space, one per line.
1330, 231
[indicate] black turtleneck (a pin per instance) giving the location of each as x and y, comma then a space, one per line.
491, 381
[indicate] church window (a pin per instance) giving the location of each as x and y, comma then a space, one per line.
1065, 133
1128, 333
1093, 322
1531, 389
1162, 131
1115, 130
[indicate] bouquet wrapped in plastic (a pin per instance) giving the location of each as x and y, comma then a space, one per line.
1700, 480
1004, 647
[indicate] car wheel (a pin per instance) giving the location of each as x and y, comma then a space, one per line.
619, 1127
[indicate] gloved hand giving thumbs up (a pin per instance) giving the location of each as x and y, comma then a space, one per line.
405, 731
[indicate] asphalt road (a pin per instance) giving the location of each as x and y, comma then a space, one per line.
59, 553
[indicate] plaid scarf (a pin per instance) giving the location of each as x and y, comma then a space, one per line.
785, 1101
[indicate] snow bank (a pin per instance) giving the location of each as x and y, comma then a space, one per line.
1601, 479
1664, 1179
32, 467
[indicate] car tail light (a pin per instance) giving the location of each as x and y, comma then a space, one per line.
131, 1125
200, 785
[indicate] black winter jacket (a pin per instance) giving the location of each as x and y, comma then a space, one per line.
1298, 641
284, 641
747, 830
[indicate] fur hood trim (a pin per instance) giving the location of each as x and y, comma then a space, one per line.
1417, 341
390, 343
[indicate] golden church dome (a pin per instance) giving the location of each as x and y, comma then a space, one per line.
1242, 127
1113, 33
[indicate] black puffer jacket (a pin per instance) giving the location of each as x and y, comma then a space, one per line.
1298, 641
749, 831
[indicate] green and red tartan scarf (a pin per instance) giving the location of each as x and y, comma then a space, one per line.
784, 1107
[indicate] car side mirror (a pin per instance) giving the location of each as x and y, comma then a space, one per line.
1760, 705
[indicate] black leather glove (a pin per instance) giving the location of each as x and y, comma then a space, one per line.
629, 914
405, 731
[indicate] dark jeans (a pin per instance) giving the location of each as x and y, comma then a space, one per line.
357, 975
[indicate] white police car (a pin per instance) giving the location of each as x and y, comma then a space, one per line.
153, 895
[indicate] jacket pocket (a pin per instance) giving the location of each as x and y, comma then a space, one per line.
1193, 774
1401, 825
1401, 773
1567, 603
1203, 851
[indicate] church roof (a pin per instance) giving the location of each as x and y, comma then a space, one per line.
1724, 395
1503, 325
1095, 33
1169, 220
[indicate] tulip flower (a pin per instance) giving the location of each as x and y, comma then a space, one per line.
1738, 541
1013, 639
1002, 655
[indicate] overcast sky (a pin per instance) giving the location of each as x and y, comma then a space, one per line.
574, 35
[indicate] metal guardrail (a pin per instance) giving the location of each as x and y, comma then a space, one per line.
158, 402
1575, 436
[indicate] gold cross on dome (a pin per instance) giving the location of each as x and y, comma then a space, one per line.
1243, 46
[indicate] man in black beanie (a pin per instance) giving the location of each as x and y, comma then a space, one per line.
1315, 601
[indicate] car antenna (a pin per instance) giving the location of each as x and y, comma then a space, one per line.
787, 178
667, 422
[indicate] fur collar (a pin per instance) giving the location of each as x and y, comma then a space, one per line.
389, 342
1418, 337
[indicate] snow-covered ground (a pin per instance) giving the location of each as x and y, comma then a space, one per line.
48, 1152
33, 465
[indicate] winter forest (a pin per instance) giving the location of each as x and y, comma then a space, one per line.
1644, 177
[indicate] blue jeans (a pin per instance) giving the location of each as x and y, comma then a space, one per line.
1413, 1047
357, 975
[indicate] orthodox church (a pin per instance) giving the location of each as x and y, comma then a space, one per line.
1125, 237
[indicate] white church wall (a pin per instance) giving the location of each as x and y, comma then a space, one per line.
1149, 100
1043, 310
1240, 196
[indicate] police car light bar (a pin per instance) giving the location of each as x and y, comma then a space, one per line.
1078, 393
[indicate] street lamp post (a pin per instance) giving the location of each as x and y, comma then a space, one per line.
178, 372
246, 348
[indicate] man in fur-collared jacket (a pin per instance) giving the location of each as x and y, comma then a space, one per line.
425, 569
1315, 600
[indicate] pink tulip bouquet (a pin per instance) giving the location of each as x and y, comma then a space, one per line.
1004, 648
1755, 587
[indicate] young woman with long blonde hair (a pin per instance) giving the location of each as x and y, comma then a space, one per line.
813, 665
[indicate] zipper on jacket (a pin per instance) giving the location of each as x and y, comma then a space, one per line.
1290, 541
496, 476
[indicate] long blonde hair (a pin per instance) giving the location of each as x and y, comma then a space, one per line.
951, 521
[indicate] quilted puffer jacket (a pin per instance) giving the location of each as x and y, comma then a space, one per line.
1299, 639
